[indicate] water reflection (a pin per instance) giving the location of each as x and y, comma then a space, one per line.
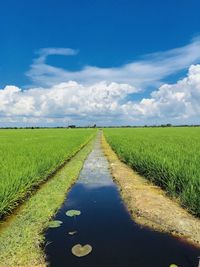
106, 225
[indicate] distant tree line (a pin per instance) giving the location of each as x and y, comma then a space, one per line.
73, 126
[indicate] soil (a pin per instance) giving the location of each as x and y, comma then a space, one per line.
149, 204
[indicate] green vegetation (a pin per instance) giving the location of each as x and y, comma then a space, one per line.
21, 237
72, 213
54, 224
169, 157
27, 157
80, 251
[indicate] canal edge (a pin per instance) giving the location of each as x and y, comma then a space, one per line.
22, 237
133, 187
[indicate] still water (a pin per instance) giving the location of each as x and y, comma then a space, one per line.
105, 224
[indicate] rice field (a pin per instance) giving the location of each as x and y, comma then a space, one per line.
169, 157
27, 157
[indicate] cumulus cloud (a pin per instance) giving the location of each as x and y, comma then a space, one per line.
176, 103
66, 101
102, 95
103, 103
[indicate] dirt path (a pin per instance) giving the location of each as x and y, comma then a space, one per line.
149, 205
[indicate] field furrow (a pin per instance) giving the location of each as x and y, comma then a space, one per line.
27, 157
169, 157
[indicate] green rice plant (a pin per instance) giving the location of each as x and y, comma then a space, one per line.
28, 157
169, 157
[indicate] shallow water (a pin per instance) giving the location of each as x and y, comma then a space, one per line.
106, 225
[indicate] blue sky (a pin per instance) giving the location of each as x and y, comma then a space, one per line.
106, 36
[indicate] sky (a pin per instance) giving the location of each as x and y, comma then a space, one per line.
104, 62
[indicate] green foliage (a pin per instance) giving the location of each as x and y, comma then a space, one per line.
55, 224
22, 240
80, 251
72, 213
169, 157
27, 157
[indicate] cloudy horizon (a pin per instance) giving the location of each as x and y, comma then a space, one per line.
156, 87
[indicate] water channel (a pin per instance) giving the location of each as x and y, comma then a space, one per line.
106, 225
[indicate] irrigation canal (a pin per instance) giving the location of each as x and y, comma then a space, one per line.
105, 224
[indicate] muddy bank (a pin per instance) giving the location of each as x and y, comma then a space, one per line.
149, 205
104, 224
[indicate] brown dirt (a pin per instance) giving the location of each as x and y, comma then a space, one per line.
149, 204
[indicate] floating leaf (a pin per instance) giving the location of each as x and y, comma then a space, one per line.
81, 251
72, 233
55, 224
72, 213
173, 265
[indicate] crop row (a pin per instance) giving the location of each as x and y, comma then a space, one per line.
27, 157
169, 157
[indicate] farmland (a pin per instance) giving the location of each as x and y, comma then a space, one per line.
84, 185
27, 157
169, 157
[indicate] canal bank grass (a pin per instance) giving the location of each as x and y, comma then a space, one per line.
168, 157
28, 157
21, 237
149, 204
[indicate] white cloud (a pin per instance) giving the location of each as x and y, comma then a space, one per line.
150, 70
66, 101
177, 103
103, 103
45, 52
100, 95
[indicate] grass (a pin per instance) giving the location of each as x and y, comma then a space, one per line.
27, 157
169, 157
21, 237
